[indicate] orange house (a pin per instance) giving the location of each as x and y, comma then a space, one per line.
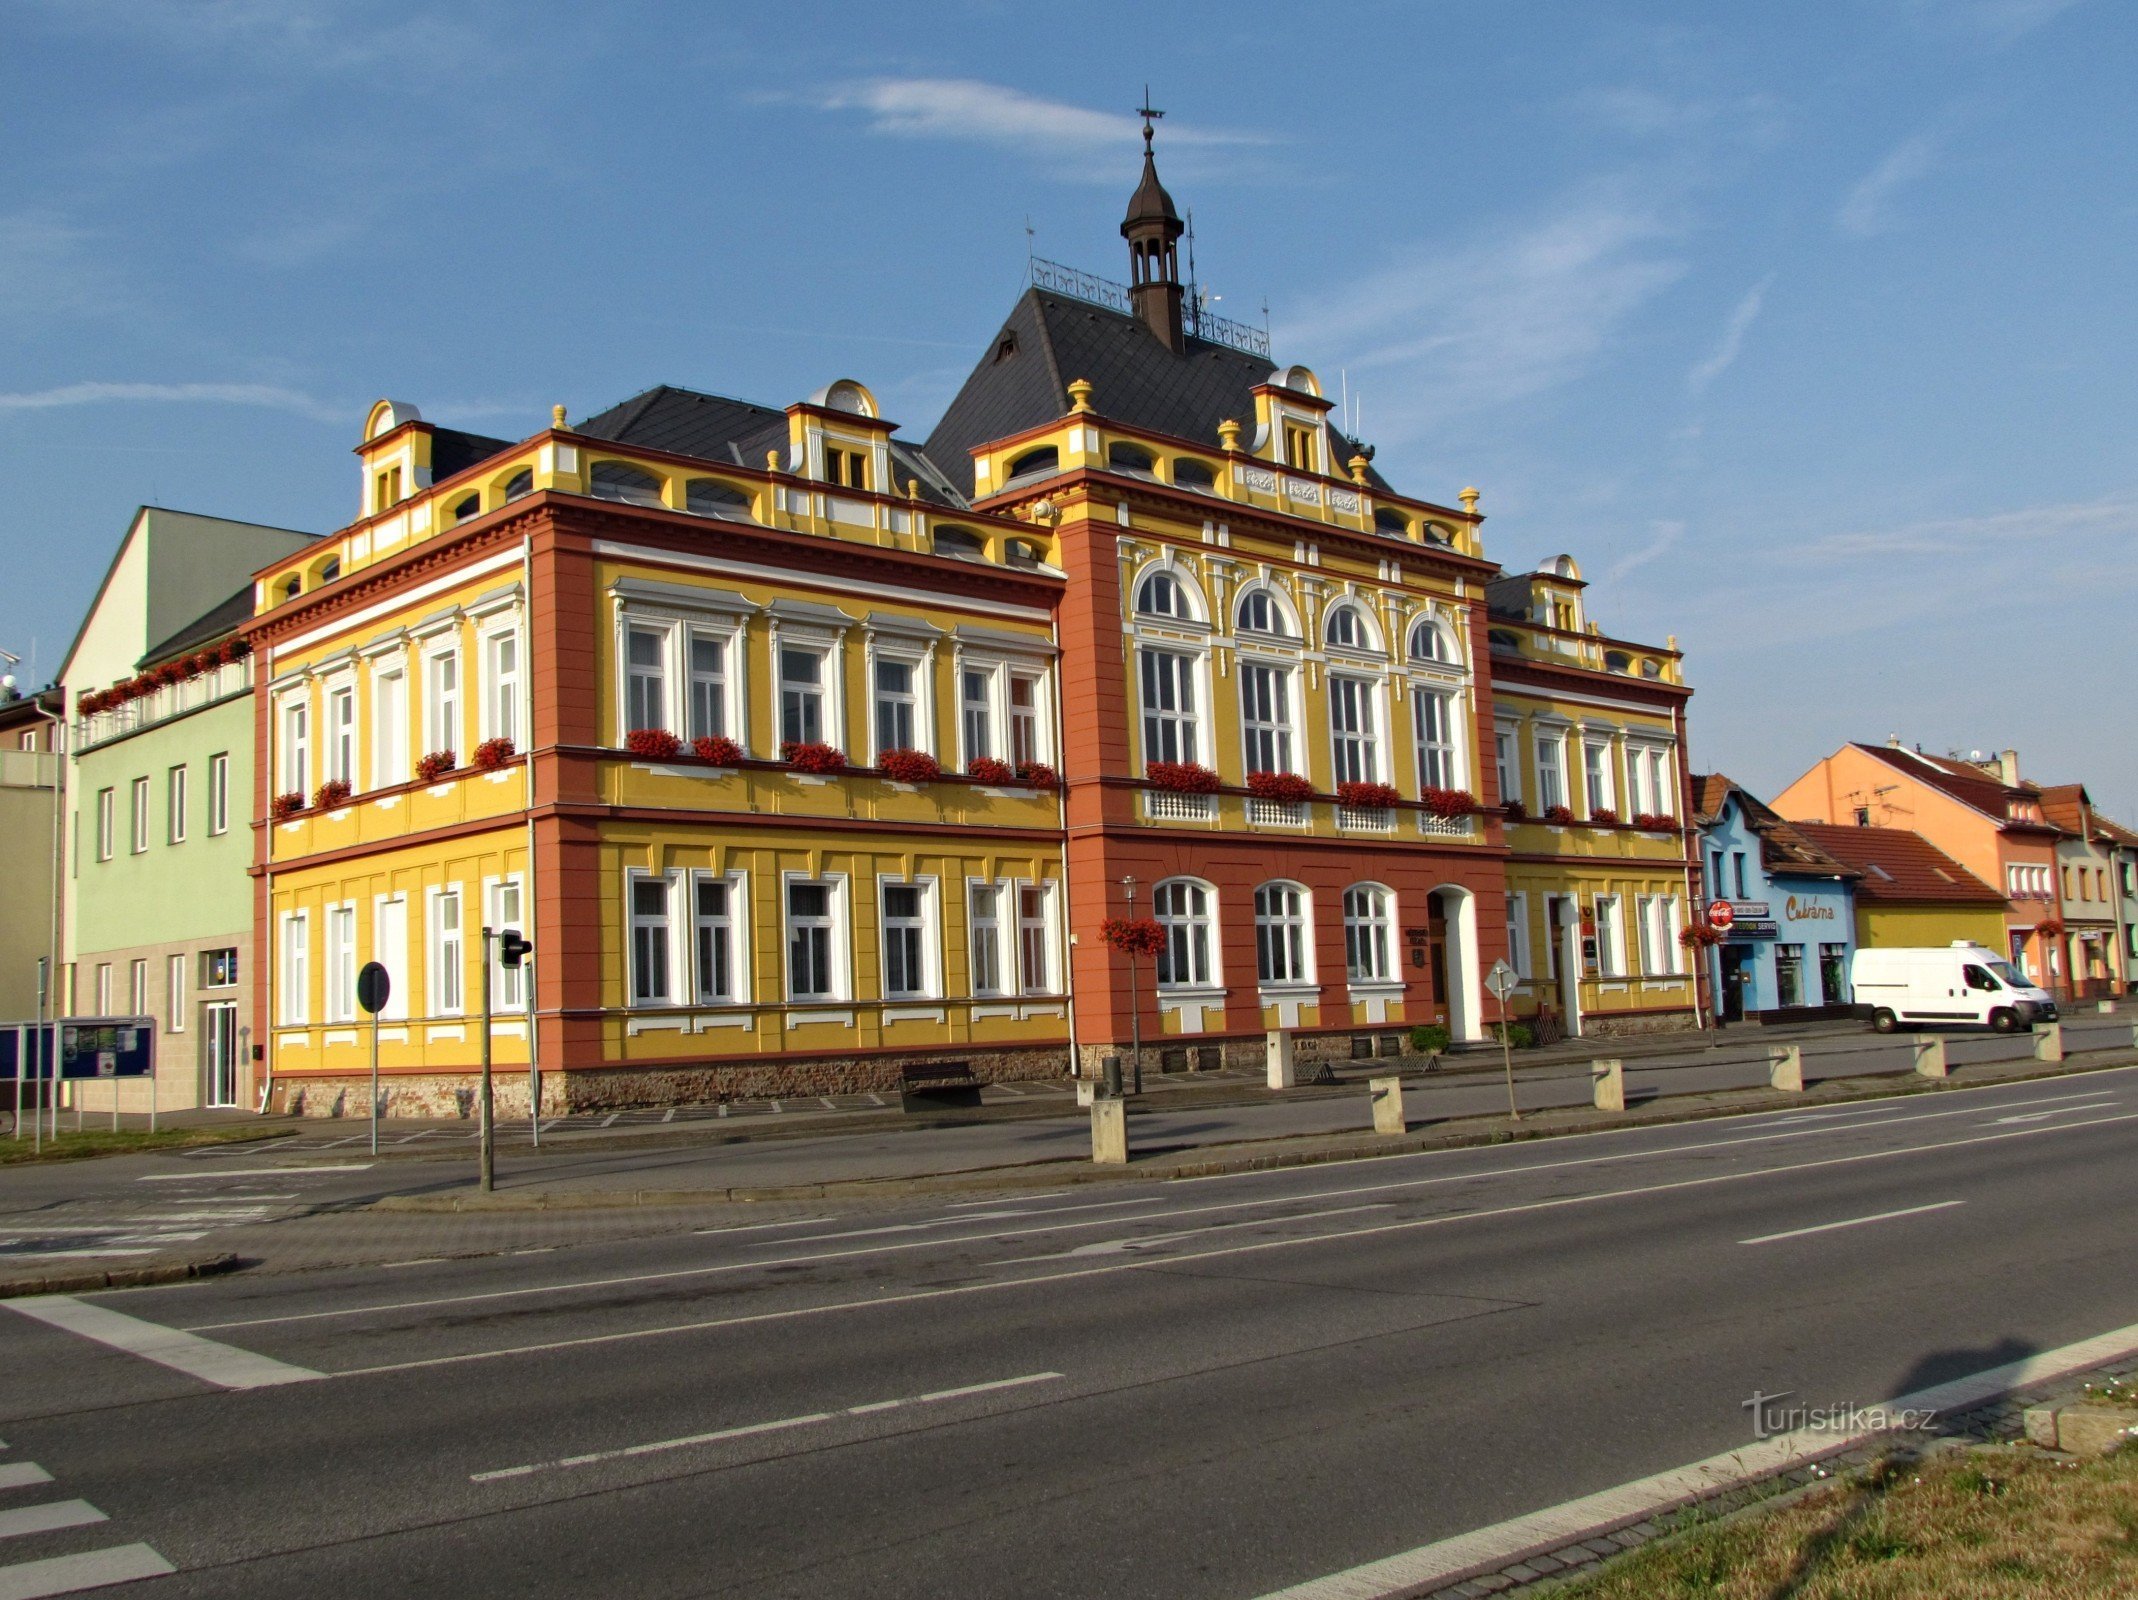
1978, 811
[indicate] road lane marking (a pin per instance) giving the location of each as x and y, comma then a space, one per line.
748, 1430
93, 1569
253, 1174
48, 1518
2059, 1111
1108, 1247
1853, 1222
1485, 1550
22, 1474
223, 1365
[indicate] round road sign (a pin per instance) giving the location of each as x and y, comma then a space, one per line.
1719, 914
373, 987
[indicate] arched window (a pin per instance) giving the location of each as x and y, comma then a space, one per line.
1038, 463
1369, 918
1132, 459
1161, 594
612, 480
1281, 933
520, 484
1348, 629
953, 541
331, 570
472, 506
1386, 519
1261, 612
1436, 534
1189, 474
1429, 642
709, 497
293, 586
1184, 909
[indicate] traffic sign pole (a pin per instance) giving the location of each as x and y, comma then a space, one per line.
374, 986
1503, 980
488, 1131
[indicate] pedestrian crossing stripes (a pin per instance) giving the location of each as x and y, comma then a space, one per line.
74, 1571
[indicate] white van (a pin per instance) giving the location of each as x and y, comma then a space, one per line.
1962, 984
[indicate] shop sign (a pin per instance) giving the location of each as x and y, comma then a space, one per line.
1807, 910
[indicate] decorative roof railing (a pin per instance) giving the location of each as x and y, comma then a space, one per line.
1088, 287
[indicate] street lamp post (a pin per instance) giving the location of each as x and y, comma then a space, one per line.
1135, 992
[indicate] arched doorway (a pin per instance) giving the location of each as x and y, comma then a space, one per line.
1460, 979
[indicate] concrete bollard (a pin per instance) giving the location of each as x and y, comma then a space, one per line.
1387, 1096
1609, 1076
1785, 1069
2048, 1041
1087, 1091
1930, 1059
2107, 1008
1109, 1132
1277, 1051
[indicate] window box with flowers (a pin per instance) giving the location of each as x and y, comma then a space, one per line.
813, 760
909, 768
1037, 774
1361, 794
1285, 788
1514, 810
1448, 803
494, 753
653, 744
1559, 816
1182, 777
284, 807
430, 768
1656, 822
717, 750
1133, 936
334, 792
1700, 936
1603, 817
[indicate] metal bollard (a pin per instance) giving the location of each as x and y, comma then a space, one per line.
1387, 1095
1609, 1077
1109, 1131
1277, 1051
1930, 1059
1785, 1069
2048, 1041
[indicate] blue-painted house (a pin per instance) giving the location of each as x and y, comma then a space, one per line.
1791, 918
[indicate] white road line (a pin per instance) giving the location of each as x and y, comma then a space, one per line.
720, 1435
2059, 1111
223, 1365
93, 1569
1107, 1247
75, 1255
1853, 1222
21, 1474
1132, 1264
1484, 1550
1047, 1194
762, 1227
47, 1518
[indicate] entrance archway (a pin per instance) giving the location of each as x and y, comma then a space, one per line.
1457, 911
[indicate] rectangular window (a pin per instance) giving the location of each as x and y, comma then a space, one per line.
976, 709
174, 995
1355, 747
652, 979
1737, 865
1715, 890
1506, 769
1673, 924
1596, 775
1433, 710
849, 469
1026, 743
1266, 714
1609, 946
389, 728
139, 815
175, 807
713, 906
448, 974
1788, 974
137, 988
501, 685
905, 941
812, 929
1644, 911
296, 954
801, 696
340, 749
341, 964
1299, 446
1518, 933
897, 706
984, 935
1035, 945
104, 824
297, 747
708, 686
646, 675
1169, 719
389, 948
219, 968
104, 989
219, 793
442, 702
1551, 770
1833, 974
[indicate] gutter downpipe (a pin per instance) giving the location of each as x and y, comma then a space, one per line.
528, 915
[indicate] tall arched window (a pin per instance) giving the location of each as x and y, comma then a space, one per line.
1281, 933
1429, 642
1369, 917
1260, 612
1184, 909
1161, 595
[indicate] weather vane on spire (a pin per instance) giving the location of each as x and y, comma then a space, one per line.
1149, 114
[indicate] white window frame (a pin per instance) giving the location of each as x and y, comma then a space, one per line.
1609, 912
292, 980
980, 717
175, 802
174, 994
104, 989
444, 723
337, 734
1196, 930
1284, 927
1042, 925
1507, 761
1518, 952
1355, 742
138, 817
505, 906
906, 704
737, 922
1552, 787
1599, 791
1441, 748
339, 959
1182, 674
670, 967
1027, 729
392, 954
654, 706
926, 929
838, 943
137, 987
445, 966
675, 627
219, 794
826, 652
1267, 727
504, 686
107, 823
988, 931
1370, 927
293, 721
391, 762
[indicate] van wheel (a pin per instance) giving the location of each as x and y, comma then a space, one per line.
2003, 1021
1883, 1021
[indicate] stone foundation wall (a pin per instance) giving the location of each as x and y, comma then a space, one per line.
1607, 1027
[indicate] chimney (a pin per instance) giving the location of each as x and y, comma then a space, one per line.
2008, 765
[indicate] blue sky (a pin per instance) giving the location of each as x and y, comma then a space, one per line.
1807, 328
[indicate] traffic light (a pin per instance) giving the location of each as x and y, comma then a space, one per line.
512, 948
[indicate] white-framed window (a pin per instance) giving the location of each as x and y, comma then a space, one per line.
652, 922
295, 978
646, 677
297, 745
389, 948
505, 906
907, 930
718, 946
139, 818
976, 711
1518, 934
1282, 934
1506, 766
1659, 781
338, 736
803, 670
106, 823
1037, 966
501, 684
1170, 720
341, 963
984, 936
1354, 743
1610, 937
709, 688
137, 987
104, 989
682, 676
1346, 628
1429, 641
1185, 909
448, 968
175, 806
1260, 611
1162, 594
441, 701
1027, 716
174, 994
1596, 784
219, 793
816, 938
896, 692
1551, 768
1266, 715
1439, 758
389, 726
1369, 933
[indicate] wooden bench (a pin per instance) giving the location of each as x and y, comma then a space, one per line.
926, 1085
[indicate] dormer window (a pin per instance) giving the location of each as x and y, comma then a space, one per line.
1564, 617
331, 571
1189, 474
1043, 462
292, 586
387, 487
1387, 520
1299, 447
848, 469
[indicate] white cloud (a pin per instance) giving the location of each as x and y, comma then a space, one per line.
973, 111
1732, 342
273, 396
51, 267
1667, 533
1863, 213
2001, 22
2114, 518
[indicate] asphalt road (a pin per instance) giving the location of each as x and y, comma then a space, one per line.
1210, 1388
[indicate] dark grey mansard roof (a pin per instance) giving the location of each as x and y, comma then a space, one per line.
1051, 340
454, 451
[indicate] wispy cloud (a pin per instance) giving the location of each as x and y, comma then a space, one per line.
974, 111
1666, 534
2114, 517
287, 39
1642, 113
49, 267
2000, 22
275, 397
1864, 212
1732, 343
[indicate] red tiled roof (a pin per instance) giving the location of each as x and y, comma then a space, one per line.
1783, 846
1962, 780
1898, 865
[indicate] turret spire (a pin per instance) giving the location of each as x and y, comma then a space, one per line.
1152, 229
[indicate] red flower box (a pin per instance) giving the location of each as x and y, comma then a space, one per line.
234, 650
718, 749
1656, 822
1136, 936
285, 806
334, 792
1182, 777
494, 753
1037, 773
818, 760
1448, 802
1361, 795
1604, 817
1561, 815
988, 769
1286, 787
909, 766
1699, 936
437, 764
655, 744
1515, 811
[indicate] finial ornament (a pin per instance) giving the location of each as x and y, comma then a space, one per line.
1080, 395
1469, 499
556, 416
1149, 114
1228, 436
1358, 467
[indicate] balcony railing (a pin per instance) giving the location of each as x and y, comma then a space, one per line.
1365, 819
1276, 813
1088, 287
1167, 805
1447, 827
162, 704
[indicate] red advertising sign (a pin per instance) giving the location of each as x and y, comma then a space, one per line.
1719, 914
